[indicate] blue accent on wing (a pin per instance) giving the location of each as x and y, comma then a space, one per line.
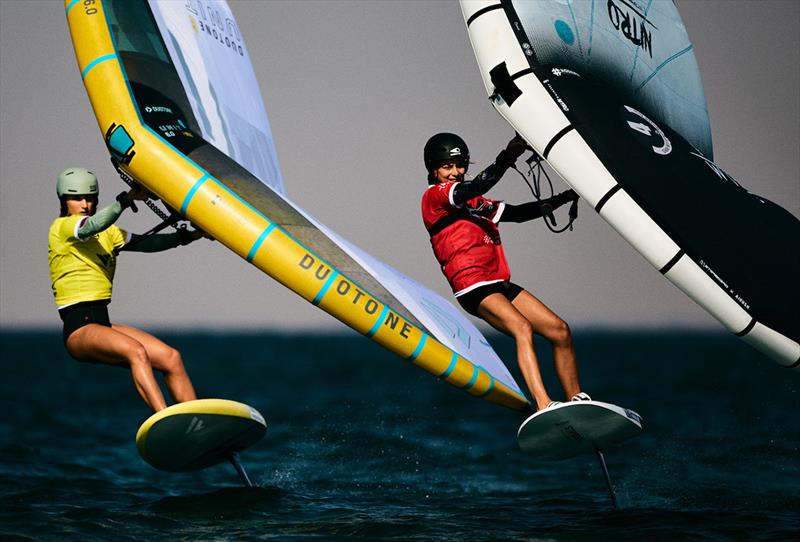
192, 191
662, 65
575, 25
377, 325
120, 140
638, 49
564, 32
591, 37
450, 367
69, 7
476, 371
489, 389
325, 287
259, 241
95, 62
418, 350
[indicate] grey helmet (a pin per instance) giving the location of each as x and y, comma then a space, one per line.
77, 181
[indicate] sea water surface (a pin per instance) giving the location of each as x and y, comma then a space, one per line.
362, 445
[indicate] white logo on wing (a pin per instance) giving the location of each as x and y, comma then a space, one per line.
649, 129
716, 169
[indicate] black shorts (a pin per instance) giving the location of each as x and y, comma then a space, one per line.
80, 314
470, 301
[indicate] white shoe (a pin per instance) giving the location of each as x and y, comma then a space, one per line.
551, 404
582, 396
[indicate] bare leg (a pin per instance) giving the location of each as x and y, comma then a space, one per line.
165, 359
126, 346
498, 311
103, 344
547, 324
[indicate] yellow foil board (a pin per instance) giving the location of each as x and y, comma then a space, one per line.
198, 434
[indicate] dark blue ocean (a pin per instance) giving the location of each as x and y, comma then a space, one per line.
361, 445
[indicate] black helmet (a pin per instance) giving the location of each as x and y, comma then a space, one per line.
445, 147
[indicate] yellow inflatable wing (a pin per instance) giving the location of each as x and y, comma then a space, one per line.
175, 97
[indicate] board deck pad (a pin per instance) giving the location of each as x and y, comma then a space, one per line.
197, 434
576, 428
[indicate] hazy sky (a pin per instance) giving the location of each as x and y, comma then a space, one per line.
353, 90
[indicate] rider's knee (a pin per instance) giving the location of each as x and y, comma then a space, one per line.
173, 361
523, 329
137, 355
561, 334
